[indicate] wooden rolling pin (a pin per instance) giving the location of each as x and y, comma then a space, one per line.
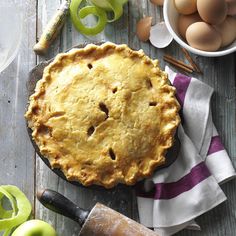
100, 221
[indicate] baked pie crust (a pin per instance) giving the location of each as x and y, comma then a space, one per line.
104, 115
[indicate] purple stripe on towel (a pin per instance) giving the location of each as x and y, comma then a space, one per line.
181, 83
167, 191
216, 145
170, 190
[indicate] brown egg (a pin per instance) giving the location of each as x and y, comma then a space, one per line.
185, 21
143, 28
186, 7
227, 30
231, 8
157, 2
212, 11
203, 36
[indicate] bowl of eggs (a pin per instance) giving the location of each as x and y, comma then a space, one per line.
203, 27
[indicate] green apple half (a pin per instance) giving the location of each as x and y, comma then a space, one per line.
35, 228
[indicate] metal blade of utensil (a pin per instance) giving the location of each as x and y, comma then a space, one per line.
100, 221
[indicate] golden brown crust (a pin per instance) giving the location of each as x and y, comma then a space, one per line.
104, 114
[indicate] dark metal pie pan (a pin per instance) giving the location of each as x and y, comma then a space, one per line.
34, 76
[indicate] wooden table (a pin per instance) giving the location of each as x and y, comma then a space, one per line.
20, 165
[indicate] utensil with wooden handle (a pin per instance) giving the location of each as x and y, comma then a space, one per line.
100, 221
52, 29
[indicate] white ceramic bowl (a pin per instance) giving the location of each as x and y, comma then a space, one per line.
11, 25
171, 19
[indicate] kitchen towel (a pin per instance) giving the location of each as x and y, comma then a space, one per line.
190, 186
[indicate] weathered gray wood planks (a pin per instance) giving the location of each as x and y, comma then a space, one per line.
17, 155
18, 165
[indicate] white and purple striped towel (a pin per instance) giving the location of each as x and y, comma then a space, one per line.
190, 186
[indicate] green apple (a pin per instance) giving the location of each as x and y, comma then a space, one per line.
35, 228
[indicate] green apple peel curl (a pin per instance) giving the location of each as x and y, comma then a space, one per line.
88, 10
116, 6
3, 212
21, 208
99, 9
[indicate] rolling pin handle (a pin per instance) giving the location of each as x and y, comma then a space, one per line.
60, 204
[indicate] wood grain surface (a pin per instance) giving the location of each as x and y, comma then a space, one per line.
19, 164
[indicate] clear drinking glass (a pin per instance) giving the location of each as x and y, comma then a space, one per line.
11, 24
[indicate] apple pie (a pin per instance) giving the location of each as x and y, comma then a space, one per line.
104, 115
